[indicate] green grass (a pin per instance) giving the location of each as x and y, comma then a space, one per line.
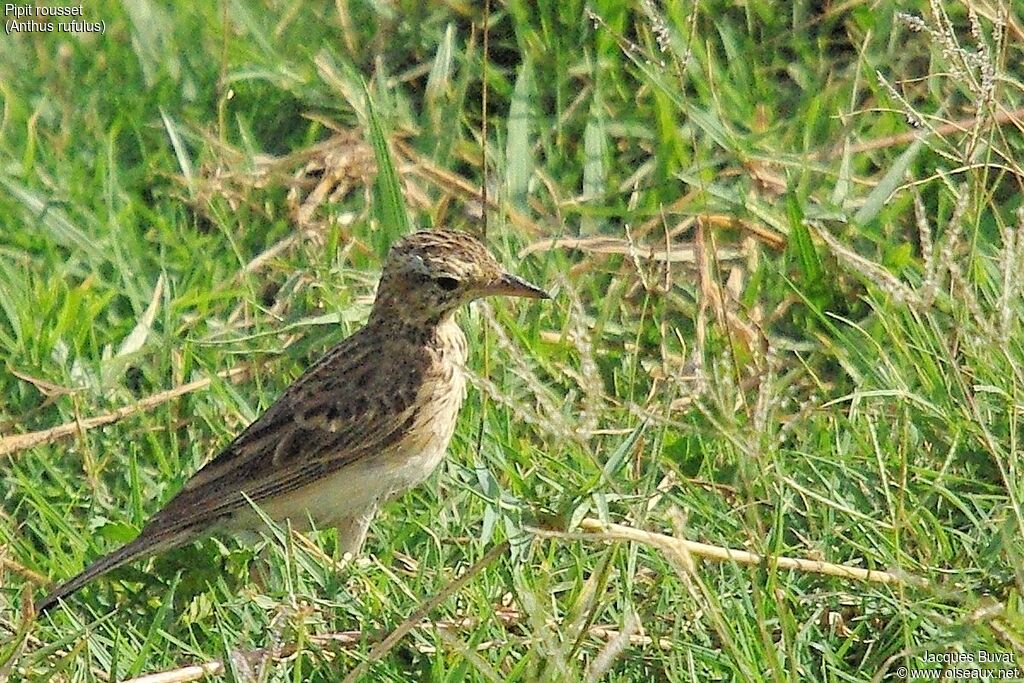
854, 393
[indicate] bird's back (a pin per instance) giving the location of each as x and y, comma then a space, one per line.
383, 394
423, 384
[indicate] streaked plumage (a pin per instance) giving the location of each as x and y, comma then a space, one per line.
369, 420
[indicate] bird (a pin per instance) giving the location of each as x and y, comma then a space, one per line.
371, 419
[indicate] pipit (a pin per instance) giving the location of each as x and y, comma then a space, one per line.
369, 420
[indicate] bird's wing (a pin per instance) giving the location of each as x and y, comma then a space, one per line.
346, 407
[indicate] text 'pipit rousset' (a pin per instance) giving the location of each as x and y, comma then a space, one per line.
369, 420
19, 11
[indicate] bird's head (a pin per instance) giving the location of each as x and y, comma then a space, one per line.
429, 274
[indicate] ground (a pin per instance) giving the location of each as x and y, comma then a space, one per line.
784, 243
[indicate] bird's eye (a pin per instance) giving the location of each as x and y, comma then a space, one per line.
448, 284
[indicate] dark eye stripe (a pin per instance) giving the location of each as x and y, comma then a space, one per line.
446, 283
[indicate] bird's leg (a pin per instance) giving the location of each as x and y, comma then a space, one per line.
352, 531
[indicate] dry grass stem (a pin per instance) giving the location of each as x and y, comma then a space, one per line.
189, 673
19, 442
1016, 117
616, 643
632, 635
614, 245
10, 565
457, 185
598, 530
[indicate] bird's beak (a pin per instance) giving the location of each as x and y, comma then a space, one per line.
511, 285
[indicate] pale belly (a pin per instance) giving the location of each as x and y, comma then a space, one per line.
351, 491
358, 488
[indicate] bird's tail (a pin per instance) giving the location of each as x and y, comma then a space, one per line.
142, 546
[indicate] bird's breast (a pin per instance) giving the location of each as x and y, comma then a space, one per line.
407, 461
437, 408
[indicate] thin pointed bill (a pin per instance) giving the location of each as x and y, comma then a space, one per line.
510, 285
